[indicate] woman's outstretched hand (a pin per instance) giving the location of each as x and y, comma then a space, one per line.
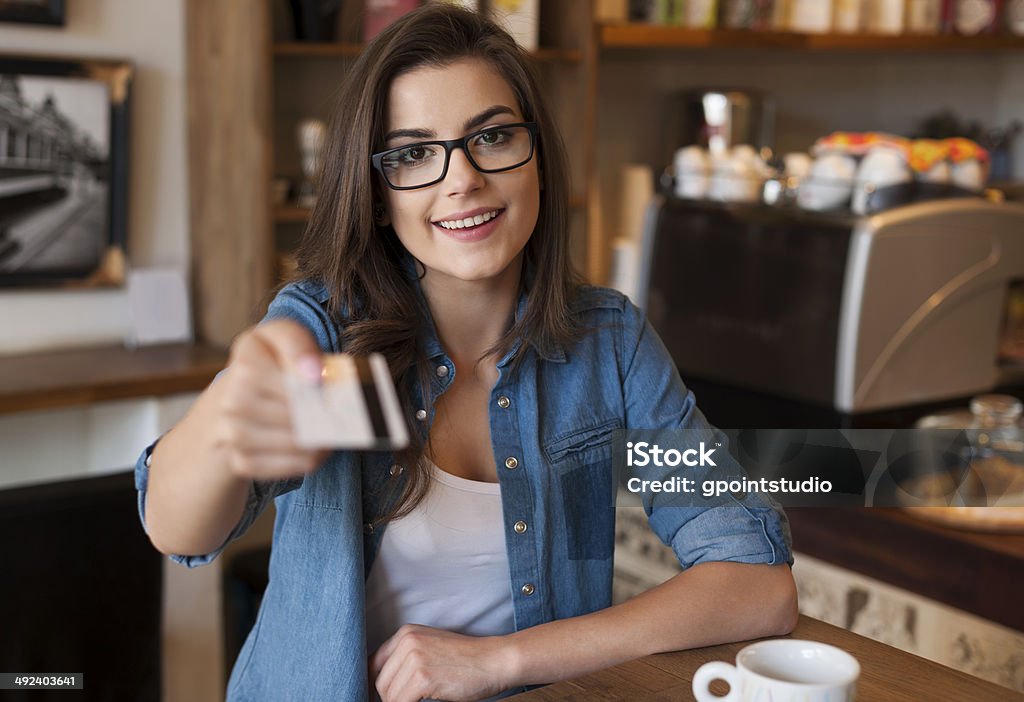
421, 662
255, 427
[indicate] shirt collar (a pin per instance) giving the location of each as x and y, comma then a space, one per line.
432, 344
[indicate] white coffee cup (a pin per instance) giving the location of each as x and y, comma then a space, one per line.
882, 167
783, 670
830, 182
692, 168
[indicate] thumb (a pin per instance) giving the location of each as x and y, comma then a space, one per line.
294, 347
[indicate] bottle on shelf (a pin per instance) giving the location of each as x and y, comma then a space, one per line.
847, 16
924, 16
884, 16
811, 16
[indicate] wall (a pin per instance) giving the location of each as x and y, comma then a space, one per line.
107, 438
150, 33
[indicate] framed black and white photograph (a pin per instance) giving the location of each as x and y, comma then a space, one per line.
32, 11
63, 171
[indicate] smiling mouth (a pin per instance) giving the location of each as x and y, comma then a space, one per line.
469, 223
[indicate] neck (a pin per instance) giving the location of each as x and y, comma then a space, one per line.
471, 316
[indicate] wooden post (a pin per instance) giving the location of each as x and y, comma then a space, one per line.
229, 113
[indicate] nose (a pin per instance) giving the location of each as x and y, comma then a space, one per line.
462, 178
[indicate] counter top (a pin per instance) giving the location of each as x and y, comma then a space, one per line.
56, 379
976, 572
886, 674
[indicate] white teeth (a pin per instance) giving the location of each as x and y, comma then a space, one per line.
469, 221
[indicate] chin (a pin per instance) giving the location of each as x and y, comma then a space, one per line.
471, 269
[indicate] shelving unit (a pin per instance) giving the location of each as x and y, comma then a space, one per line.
298, 50
249, 85
647, 36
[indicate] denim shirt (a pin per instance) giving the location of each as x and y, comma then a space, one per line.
552, 420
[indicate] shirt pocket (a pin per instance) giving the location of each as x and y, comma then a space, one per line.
582, 463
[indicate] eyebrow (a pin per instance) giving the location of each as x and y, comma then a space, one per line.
470, 124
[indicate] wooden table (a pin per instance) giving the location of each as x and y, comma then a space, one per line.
887, 675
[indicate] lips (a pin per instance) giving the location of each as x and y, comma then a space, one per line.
456, 228
469, 218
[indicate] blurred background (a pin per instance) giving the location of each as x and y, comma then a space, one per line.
815, 201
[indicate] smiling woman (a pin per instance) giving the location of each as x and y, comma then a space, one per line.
479, 560
491, 172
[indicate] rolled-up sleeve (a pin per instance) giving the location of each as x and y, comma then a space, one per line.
261, 494
751, 530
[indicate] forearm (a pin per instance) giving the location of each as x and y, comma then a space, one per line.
193, 499
708, 604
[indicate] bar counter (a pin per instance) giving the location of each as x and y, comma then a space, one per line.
977, 572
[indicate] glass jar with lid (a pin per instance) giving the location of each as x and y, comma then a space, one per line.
987, 489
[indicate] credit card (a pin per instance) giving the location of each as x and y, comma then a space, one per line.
354, 406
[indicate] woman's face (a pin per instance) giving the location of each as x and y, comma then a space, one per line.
447, 103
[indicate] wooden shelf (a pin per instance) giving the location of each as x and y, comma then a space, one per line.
649, 36
56, 379
333, 50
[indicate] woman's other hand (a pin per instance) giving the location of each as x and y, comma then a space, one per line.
255, 427
421, 662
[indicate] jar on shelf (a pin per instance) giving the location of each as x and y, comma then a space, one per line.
973, 17
988, 468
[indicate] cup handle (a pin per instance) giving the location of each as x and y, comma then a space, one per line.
716, 670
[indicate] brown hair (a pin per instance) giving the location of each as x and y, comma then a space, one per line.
361, 263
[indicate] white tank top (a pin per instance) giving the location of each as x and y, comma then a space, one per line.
443, 565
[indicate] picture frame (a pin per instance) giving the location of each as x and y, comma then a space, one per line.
33, 11
64, 155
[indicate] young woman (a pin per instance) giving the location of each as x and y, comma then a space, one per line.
478, 561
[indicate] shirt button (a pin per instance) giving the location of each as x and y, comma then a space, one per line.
504, 402
149, 460
421, 414
396, 469
527, 589
519, 526
441, 371
511, 463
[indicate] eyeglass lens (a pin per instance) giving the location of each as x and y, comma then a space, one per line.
496, 149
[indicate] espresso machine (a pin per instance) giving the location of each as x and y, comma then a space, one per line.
782, 317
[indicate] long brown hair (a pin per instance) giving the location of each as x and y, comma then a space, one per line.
371, 294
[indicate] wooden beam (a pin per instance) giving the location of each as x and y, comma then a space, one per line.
229, 113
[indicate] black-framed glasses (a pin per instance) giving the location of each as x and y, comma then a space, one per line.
490, 150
